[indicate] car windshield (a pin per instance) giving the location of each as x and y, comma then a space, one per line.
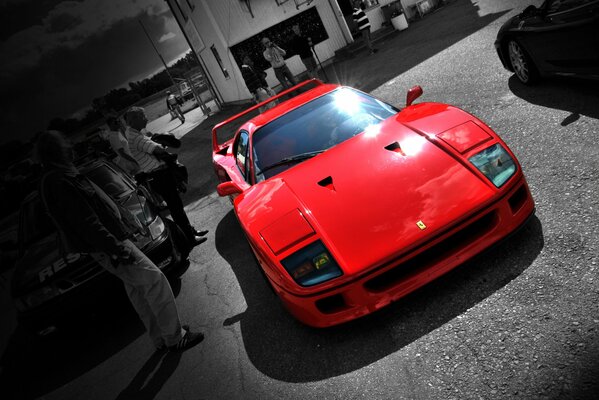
111, 182
313, 128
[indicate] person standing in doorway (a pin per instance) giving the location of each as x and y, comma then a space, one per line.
363, 23
275, 56
302, 46
256, 83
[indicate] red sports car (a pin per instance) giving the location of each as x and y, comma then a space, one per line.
350, 203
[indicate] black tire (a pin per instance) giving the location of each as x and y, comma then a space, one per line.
522, 65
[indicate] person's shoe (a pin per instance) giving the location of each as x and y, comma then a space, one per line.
188, 340
200, 233
196, 240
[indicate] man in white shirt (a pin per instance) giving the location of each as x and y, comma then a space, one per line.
153, 162
275, 56
120, 146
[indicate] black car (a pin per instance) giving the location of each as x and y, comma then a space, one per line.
49, 288
560, 38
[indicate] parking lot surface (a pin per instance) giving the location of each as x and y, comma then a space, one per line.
519, 321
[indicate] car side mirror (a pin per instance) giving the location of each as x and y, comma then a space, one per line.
413, 94
228, 188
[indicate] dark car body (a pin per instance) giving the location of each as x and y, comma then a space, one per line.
560, 38
48, 287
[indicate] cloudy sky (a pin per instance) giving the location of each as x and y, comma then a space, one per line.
56, 56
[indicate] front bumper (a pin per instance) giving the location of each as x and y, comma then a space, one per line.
412, 271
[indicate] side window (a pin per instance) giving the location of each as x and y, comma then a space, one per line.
241, 153
564, 5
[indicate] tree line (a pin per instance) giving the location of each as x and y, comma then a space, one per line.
122, 98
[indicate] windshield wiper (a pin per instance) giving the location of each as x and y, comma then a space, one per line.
295, 158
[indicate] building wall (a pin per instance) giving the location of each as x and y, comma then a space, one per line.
224, 23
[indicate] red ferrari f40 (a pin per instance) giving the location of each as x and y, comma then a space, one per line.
350, 203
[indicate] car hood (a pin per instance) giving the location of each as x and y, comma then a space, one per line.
370, 198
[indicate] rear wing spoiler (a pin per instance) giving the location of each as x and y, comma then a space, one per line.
217, 147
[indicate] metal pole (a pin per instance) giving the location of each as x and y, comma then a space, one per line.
160, 56
318, 59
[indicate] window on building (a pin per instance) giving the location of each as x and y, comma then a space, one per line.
219, 61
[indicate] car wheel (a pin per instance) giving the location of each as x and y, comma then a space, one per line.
522, 64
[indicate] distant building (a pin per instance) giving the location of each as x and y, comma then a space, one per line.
222, 31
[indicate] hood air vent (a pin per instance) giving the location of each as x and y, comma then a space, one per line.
396, 148
327, 183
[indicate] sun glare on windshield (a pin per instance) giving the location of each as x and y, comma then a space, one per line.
347, 101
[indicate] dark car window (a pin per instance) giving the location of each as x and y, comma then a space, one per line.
556, 6
314, 127
241, 153
111, 182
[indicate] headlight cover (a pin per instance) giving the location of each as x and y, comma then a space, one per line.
495, 163
312, 265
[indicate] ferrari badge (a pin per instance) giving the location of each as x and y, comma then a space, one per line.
421, 225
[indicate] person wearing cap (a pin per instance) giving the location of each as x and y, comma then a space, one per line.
276, 57
153, 162
89, 221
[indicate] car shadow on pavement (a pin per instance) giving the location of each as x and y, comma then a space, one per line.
34, 366
284, 349
576, 96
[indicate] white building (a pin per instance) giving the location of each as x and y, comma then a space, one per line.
220, 31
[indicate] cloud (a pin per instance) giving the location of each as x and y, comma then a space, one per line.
63, 22
57, 80
68, 24
166, 36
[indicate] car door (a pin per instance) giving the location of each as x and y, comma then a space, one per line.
242, 159
564, 37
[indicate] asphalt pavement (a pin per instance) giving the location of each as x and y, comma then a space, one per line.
519, 321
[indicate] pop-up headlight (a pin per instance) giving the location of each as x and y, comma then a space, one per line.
312, 265
495, 163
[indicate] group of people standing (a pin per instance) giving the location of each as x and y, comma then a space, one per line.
256, 80
89, 221
298, 44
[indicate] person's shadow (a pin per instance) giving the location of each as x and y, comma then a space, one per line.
159, 367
